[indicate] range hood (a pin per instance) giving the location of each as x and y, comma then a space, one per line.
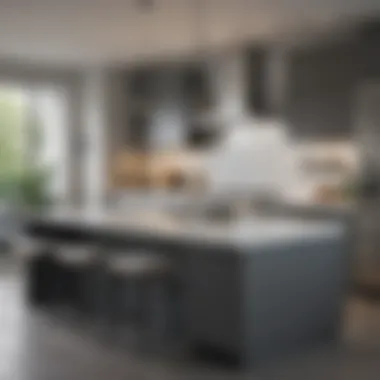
253, 156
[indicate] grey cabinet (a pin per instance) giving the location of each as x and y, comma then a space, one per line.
213, 313
264, 302
367, 259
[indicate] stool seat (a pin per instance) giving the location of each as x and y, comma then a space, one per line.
27, 247
77, 256
139, 265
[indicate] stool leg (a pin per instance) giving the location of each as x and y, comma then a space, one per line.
132, 310
158, 313
76, 290
90, 287
56, 283
165, 314
139, 313
102, 298
175, 311
81, 298
34, 274
98, 295
147, 306
66, 287
153, 314
39, 279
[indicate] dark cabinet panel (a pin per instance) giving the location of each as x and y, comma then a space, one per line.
256, 96
213, 298
321, 89
169, 90
196, 87
141, 83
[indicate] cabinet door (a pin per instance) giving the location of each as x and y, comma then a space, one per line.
368, 229
367, 259
213, 310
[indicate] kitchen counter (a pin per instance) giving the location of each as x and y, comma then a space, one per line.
337, 211
253, 289
257, 230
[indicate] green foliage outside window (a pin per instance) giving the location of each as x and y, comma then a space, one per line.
22, 182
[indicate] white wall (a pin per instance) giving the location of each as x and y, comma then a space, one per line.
94, 137
229, 84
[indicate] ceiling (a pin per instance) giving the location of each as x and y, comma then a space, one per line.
117, 31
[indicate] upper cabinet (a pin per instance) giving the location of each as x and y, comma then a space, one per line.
140, 87
165, 103
256, 96
199, 100
321, 91
196, 87
141, 84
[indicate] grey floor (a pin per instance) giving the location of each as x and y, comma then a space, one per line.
35, 347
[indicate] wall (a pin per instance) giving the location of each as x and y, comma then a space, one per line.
229, 83
314, 86
105, 123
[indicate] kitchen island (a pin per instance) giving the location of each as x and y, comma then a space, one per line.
251, 289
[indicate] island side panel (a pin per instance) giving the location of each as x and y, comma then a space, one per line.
213, 302
294, 296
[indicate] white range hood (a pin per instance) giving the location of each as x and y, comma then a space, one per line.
255, 156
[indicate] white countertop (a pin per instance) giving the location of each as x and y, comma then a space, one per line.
246, 231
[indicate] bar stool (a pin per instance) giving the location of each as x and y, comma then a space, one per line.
77, 265
39, 268
146, 278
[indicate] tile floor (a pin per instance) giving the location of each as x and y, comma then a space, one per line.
35, 347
